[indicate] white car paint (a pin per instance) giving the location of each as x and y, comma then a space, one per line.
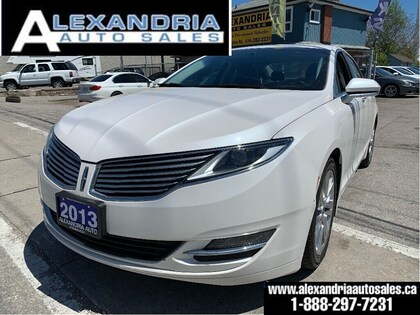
280, 195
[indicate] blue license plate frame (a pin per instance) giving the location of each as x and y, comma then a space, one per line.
81, 215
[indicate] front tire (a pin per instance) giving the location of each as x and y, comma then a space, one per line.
320, 230
10, 85
391, 90
366, 161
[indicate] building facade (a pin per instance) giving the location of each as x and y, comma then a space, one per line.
321, 21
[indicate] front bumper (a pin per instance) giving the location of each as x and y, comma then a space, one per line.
270, 197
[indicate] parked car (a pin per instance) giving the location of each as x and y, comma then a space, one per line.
399, 71
56, 74
127, 68
394, 86
411, 70
228, 173
112, 84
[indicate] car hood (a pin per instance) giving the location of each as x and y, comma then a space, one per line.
163, 120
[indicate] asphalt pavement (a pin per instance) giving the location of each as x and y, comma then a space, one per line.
375, 235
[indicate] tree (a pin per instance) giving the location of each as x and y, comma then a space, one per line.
399, 35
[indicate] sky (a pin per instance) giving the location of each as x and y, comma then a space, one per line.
409, 6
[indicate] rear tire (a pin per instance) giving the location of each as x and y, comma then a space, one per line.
57, 83
320, 230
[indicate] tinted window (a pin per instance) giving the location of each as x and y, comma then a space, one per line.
342, 74
287, 68
123, 78
382, 73
59, 66
139, 78
101, 78
404, 71
28, 68
354, 69
18, 67
71, 65
42, 67
87, 61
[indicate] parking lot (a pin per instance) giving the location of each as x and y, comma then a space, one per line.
376, 231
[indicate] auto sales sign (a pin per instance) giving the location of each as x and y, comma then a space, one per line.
129, 28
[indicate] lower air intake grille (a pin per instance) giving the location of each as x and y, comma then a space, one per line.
126, 247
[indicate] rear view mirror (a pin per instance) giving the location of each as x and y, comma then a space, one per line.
359, 87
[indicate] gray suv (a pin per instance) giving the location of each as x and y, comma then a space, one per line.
56, 74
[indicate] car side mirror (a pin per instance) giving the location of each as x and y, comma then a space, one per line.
396, 74
359, 87
158, 81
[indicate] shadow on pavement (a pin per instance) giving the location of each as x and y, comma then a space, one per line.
116, 291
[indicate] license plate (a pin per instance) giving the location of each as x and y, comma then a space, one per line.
82, 216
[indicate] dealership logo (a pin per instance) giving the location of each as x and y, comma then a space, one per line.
115, 29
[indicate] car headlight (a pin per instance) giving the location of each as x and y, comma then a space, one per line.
50, 134
241, 158
408, 83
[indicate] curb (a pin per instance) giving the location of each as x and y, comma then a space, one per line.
42, 92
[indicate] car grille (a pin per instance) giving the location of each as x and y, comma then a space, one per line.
148, 176
62, 164
125, 247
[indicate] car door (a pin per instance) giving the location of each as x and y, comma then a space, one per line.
43, 74
343, 77
27, 75
142, 81
126, 83
366, 110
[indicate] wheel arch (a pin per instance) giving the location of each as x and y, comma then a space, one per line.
336, 156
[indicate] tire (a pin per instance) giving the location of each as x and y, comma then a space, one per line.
368, 159
116, 93
13, 99
57, 83
321, 225
391, 90
10, 85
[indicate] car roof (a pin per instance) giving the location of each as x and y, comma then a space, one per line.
297, 45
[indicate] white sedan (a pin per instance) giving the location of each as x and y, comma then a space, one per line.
112, 84
228, 173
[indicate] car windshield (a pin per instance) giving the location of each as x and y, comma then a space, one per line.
404, 71
286, 68
101, 78
18, 67
383, 73
414, 70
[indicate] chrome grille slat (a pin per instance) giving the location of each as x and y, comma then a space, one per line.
151, 168
147, 176
58, 155
62, 165
57, 165
140, 180
61, 173
166, 161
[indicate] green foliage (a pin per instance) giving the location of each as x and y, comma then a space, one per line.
399, 35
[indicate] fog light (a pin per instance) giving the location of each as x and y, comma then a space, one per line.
233, 248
